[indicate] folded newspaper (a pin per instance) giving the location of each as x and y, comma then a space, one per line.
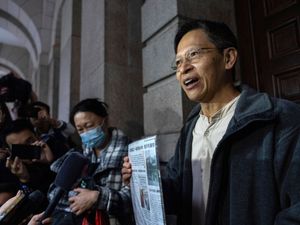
146, 191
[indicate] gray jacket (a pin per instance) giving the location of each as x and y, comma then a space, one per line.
255, 169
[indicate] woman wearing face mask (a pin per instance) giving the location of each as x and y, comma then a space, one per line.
100, 195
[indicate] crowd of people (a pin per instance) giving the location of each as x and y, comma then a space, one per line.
236, 160
98, 193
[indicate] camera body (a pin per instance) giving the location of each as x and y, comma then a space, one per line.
33, 112
26, 151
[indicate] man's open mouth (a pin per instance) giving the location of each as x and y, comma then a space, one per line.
190, 81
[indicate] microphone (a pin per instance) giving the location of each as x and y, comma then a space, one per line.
22, 208
67, 175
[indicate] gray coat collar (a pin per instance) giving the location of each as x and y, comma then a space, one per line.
261, 107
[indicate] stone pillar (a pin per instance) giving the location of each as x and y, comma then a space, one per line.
43, 81
111, 60
92, 49
54, 68
69, 57
123, 65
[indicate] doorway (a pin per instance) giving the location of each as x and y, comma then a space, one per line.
269, 45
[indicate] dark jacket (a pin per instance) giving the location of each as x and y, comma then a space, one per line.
255, 171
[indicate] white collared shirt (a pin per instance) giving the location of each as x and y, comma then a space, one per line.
207, 134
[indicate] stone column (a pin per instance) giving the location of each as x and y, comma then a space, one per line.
54, 68
43, 81
123, 65
111, 60
92, 49
69, 57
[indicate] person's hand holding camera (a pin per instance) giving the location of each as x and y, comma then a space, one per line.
18, 168
46, 153
54, 123
4, 153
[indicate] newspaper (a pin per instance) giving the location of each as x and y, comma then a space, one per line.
146, 192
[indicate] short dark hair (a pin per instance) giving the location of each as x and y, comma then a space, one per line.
17, 126
41, 104
218, 33
93, 105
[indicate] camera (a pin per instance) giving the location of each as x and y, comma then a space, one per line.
28, 111
26, 151
33, 112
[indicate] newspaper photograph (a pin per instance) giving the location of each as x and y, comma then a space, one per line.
146, 192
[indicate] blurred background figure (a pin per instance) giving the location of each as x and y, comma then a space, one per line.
15, 93
4, 120
58, 134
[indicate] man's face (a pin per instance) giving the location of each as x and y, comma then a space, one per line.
22, 137
42, 120
203, 77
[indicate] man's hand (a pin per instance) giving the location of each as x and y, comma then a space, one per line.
83, 201
126, 171
18, 168
35, 220
12, 202
4, 153
46, 153
54, 122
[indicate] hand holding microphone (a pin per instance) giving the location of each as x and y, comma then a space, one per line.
9, 205
21, 207
83, 201
35, 220
67, 175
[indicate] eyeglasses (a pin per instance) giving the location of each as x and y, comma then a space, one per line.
190, 56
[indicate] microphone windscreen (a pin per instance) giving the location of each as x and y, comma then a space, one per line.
37, 197
22, 210
70, 170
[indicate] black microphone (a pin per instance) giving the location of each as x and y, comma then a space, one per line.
67, 175
23, 208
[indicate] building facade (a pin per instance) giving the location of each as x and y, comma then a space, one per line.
121, 52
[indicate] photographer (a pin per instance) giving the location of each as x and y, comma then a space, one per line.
4, 120
15, 93
34, 173
56, 133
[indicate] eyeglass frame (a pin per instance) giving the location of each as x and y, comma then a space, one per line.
188, 58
